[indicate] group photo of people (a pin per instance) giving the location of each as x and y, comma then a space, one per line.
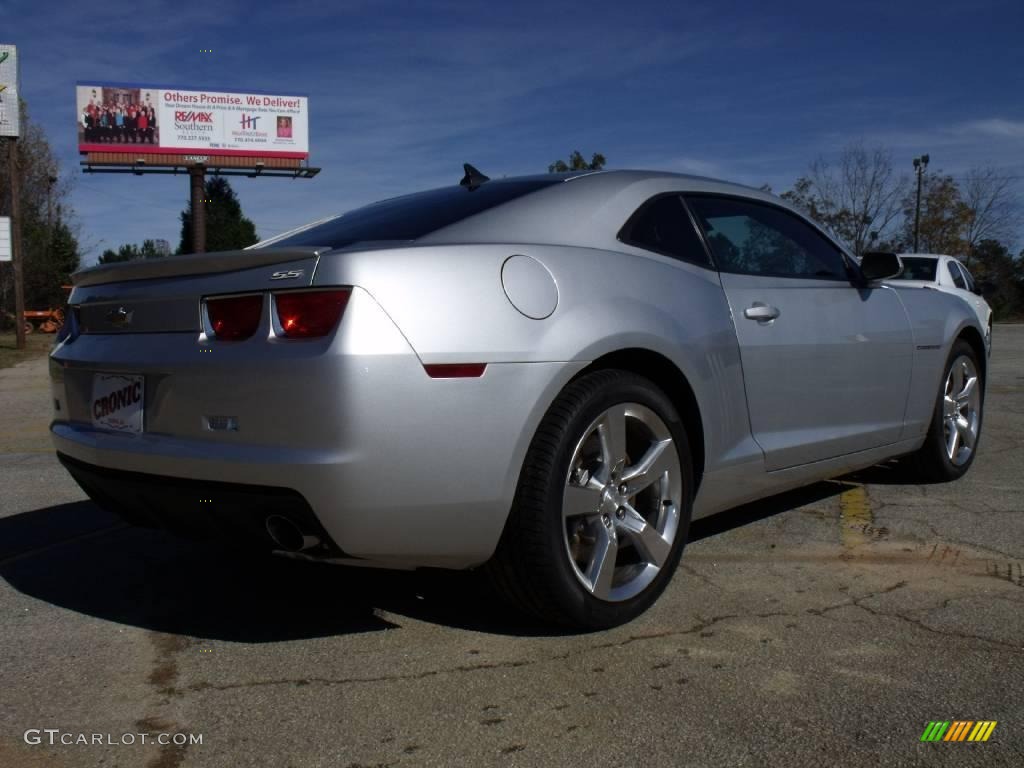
117, 116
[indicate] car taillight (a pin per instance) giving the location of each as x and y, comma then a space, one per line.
234, 318
307, 314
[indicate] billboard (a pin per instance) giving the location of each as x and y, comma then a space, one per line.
171, 120
9, 116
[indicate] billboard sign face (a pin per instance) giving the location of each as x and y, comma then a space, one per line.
10, 121
168, 120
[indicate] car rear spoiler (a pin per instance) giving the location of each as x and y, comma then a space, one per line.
192, 264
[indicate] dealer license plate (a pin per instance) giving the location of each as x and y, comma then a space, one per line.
118, 401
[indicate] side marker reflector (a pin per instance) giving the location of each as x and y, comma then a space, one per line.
456, 371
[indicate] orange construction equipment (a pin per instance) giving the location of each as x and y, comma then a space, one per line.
50, 320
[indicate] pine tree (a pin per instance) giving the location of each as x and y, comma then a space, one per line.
130, 252
226, 228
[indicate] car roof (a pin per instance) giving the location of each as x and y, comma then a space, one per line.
587, 210
623, 177
686, 181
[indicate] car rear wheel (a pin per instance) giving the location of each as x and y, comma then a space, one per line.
603, 505
952, 441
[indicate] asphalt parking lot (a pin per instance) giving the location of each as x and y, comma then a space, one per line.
823, 627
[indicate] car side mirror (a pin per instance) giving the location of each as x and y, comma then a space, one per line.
984, 288
880, 266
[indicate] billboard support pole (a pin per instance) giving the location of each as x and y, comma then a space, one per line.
197, 174
16, 254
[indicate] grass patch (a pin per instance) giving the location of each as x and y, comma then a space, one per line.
36, 345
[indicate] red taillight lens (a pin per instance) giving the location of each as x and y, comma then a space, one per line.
234, 318
306, 314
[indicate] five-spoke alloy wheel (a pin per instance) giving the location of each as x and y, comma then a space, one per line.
952, 440
603, 505
961, 410
622, 514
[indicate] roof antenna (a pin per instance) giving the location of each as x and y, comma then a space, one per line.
473, 177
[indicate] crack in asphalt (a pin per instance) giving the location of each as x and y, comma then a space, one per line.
702, 625
857, 602
302, 681
697, 574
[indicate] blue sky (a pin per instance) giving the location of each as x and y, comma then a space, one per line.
402, 93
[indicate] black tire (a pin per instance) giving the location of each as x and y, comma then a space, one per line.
931, 462
531, 567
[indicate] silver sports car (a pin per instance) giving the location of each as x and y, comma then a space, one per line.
545, 376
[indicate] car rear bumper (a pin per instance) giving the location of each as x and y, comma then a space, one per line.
201, 509
398, 468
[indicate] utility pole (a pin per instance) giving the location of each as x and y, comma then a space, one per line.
10, 127
51, 179
16, 250
920, 163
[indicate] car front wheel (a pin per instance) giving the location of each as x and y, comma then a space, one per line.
603, 505
952, 441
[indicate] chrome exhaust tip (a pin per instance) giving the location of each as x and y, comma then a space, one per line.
288, 536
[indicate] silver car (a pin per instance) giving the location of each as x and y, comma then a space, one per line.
548, 377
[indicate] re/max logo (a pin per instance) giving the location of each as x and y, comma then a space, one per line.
193, 117
248, 121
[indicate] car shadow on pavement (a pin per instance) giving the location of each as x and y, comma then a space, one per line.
764, 508
84, 559
892, 472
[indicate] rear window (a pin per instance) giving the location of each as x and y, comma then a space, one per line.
918, 269
413, 216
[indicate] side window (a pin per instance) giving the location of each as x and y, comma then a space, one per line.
968, 280
662, 225
757, 239
954, 272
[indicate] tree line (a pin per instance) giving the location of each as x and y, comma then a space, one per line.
867, 204
49, 234
227, 228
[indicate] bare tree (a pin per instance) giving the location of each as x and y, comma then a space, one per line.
994, 213
49, 248
859, 199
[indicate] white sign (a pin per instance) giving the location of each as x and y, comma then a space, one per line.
10, 121
5, 250
117, 402
5, 238
119, 117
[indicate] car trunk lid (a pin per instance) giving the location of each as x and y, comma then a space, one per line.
163, 295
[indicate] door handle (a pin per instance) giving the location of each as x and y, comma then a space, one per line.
761, 312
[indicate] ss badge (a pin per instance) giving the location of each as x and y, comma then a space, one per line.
290, 274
